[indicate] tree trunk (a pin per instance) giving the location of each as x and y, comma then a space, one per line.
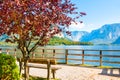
26, 72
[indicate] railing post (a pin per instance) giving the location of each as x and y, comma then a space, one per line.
15, 53
0, 50
100, 57
53, 53
33, 55
82, 56
66, 56
7, 51
43, 51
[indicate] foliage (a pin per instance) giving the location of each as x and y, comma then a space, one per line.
8, 68
64, 41
39, 20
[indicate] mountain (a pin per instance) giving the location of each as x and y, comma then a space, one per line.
76, 35
106, 34
117, 41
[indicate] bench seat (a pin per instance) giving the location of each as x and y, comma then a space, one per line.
43, 66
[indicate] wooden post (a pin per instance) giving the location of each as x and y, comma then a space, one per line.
100, 57
66, 56
82, 56
0, 50
15, 53
20, 64
53, 71
43, 51
53, 53
33, 55
7, 51
48, 69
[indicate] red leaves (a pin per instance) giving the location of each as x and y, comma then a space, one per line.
81, 21
28, 18
68, 33
83, 13
18, 2
53, 1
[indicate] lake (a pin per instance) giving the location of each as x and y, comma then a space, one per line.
96, 47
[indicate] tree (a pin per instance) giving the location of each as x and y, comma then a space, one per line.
25, 21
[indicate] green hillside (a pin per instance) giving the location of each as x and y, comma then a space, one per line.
53, 41
64, 41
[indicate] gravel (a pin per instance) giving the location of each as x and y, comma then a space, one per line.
79, 73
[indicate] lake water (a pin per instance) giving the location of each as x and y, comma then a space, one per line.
96, 47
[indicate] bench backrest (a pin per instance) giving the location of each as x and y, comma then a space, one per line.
39, 60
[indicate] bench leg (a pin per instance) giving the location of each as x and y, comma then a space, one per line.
27, 72
53, 72
20, 65
48, 70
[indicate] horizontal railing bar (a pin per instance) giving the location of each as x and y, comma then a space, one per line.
59, 53
75, 54
75, 49
116, 56
52, 48
91, 60
111, 50
91, 55
84, 54
74, 59
111, 62
60, 58
49, 53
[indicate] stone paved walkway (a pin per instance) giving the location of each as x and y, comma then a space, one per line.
79, 73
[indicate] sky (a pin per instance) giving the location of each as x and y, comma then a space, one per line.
99, 13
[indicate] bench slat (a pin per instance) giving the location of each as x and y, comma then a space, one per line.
42, 61
43, 66
39, 60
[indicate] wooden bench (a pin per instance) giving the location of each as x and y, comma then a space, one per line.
49, 64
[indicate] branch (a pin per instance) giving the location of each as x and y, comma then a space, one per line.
35, 45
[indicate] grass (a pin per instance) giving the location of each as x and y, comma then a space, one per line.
104, 67
87, 65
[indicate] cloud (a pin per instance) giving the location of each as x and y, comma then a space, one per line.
76, 26
82, 27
